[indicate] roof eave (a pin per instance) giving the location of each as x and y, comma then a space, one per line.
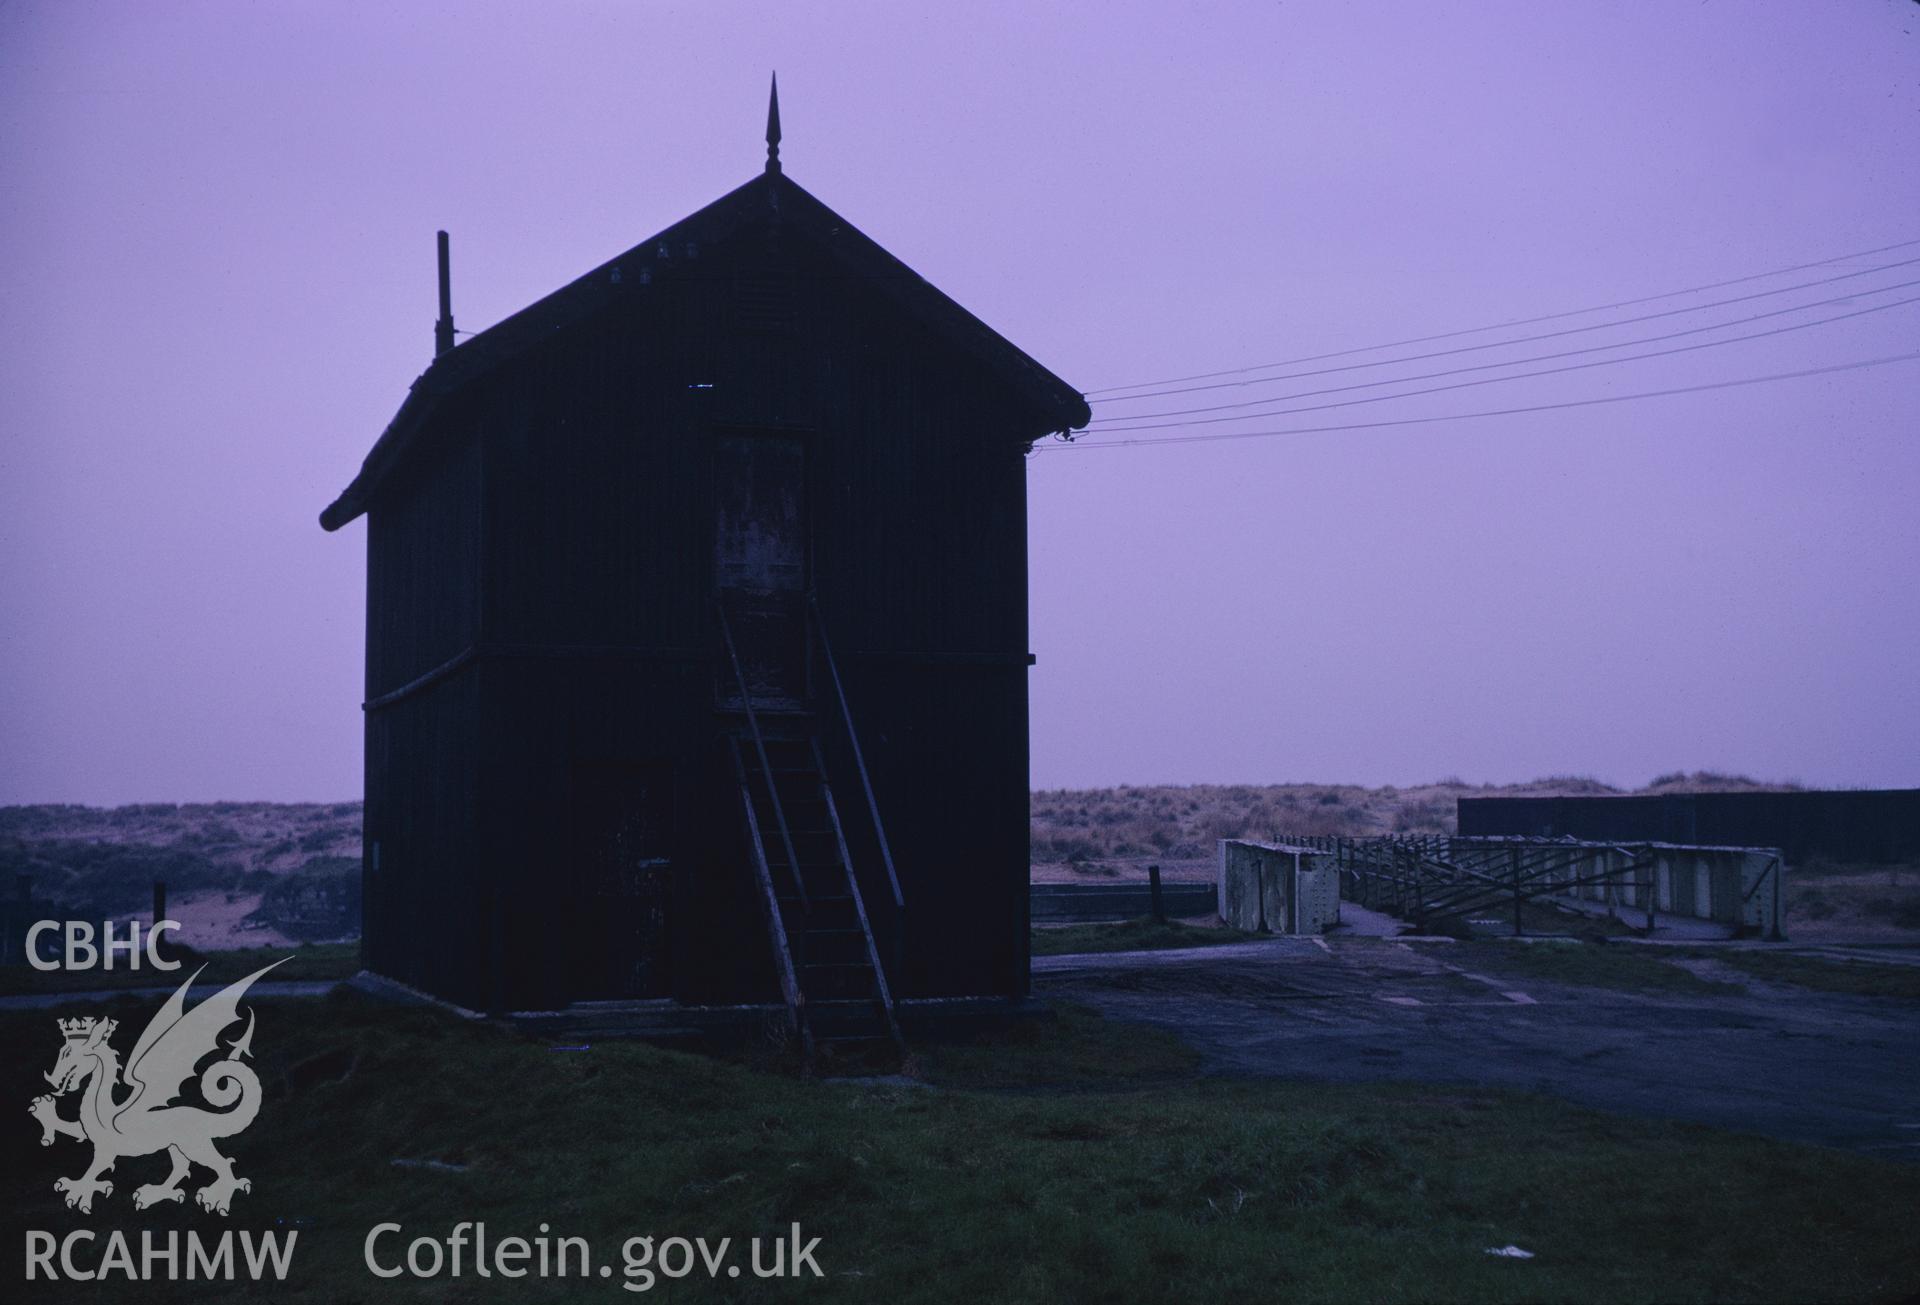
1058, 407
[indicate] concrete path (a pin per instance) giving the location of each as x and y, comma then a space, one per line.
1795, 1064
1359, 922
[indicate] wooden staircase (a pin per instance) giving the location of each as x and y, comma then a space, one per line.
831, 975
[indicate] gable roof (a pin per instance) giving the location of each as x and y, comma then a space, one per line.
1056, 405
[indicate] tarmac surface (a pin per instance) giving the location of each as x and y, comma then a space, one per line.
1786, 1062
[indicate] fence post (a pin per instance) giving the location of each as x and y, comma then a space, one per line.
1513, 863
1410, 884
1153, 891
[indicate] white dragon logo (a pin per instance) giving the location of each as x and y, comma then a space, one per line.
147, 1120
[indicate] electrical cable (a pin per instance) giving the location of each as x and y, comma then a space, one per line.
1493, 412
1144, 421
1472, 348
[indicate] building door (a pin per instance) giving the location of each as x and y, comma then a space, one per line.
1702, 890
760, 564
622, 856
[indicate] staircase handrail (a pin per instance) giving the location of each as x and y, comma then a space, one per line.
770, 908
760, 749
882, 992
853, 739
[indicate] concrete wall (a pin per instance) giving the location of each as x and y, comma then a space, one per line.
1722, 884
1278, 888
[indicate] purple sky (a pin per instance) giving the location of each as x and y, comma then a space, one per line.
216, 281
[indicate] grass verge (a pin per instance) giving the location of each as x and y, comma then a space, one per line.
1588, 965
1142, 935
1076, 1048
310, 962
1210, 1190
1857, 978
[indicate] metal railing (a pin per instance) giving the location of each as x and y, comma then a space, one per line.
1426, 877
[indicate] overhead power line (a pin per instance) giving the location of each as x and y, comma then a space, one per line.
1148, 421
1523, 339
1522, 321
1491, 412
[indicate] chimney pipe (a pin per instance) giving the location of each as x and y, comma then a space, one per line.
443, 329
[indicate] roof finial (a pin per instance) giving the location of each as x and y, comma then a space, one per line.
773, 126
443, 328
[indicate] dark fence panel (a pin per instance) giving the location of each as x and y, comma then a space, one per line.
1871, 825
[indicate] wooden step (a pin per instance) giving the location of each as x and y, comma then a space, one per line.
842, 990
800, 815
847, 946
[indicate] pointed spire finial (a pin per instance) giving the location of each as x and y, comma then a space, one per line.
773, 126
